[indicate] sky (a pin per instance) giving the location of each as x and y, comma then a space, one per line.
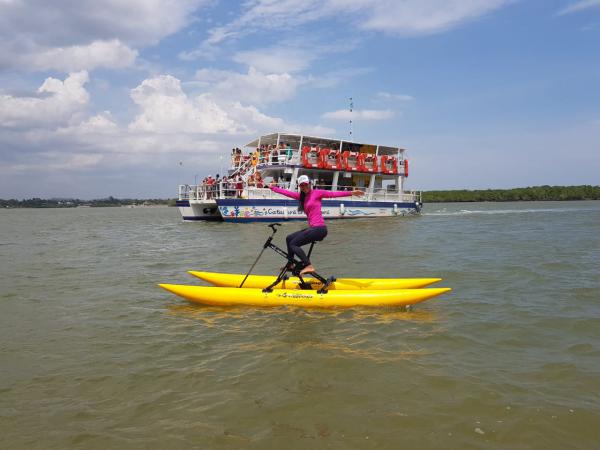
131, 98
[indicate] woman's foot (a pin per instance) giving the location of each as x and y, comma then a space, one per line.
308, 269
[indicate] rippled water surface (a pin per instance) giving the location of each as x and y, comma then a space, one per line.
93, 355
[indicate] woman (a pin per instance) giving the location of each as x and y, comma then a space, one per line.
310, 204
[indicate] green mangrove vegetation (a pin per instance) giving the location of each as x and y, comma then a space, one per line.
74, 203
534, 193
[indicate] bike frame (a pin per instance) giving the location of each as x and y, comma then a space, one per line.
293, 265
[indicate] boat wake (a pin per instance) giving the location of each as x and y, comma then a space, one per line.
464, 212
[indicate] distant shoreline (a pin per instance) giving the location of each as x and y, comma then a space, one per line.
534, 193
109, 202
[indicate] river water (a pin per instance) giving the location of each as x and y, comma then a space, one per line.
93, 355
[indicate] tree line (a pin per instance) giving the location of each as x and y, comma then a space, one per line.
534, 193
74, 202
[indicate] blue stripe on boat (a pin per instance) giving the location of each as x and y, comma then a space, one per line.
294, 203
209, 218
276, 219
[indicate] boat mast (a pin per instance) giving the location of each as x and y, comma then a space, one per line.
351, 107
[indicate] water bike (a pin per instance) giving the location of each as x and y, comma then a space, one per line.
312, 290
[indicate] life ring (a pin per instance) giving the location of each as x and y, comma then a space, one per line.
367, 162
389, 164
310, 157
405, 167
350, 161
330, 159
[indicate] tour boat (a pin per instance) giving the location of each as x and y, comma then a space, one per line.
280, 158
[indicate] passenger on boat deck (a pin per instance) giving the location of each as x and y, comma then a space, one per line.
208, 186
211, 186
309, 203
259, 181
274, 156
239, 187
236, 155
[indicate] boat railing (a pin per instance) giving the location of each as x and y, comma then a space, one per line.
377, 195
205, 192
284, 157
241, 166
200, 192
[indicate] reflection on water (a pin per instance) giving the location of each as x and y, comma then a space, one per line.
297, 329
211, 315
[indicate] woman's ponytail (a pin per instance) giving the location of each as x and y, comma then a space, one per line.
301, 201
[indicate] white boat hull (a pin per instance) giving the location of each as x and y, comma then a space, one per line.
193, 210
244, 210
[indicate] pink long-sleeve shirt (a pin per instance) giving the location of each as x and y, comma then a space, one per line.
312, 204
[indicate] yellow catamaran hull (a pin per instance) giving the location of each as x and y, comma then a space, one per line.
262, 281
230, 296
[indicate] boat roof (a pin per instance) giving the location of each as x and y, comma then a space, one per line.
292, 138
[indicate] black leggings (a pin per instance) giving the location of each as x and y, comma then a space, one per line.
299, 238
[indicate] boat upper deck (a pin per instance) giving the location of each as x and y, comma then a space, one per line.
298, 141
319, 154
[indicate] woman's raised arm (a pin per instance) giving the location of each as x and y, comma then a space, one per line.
290, 194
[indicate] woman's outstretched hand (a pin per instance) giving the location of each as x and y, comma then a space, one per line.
357, 192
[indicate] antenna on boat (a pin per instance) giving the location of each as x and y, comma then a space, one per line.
351, 107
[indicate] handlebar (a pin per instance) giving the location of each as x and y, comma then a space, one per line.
273, 225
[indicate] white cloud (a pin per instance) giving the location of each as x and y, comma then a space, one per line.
167, 109
99, 124
579, 6
296, 53
416, 17
66, 35
277, 59
397, 97
408, 17
57, 103
254, 87
110, 54
365, 114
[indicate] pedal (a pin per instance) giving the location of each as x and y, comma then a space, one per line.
326, 285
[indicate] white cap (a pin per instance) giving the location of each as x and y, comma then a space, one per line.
303, 179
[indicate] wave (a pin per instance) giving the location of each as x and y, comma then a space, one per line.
463, 212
